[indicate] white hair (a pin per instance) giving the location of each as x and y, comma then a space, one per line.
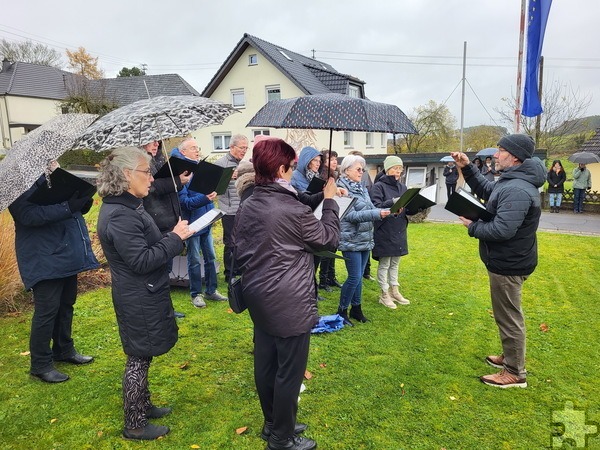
350, 160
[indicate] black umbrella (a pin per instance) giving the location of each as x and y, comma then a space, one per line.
584, 158
331, 112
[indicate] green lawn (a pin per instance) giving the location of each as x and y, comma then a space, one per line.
408, 379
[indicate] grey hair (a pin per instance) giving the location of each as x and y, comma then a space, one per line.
185, 141
111, 180
235, 140
349, 161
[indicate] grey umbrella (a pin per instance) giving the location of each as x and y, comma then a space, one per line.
153, 119
584, 158
490, 151
331, 112
29, 157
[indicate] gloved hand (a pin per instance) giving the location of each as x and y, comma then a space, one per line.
76, 203
86, 208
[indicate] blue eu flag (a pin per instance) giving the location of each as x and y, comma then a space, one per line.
538, 17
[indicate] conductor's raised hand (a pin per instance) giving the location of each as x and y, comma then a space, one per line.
460, 159
330, 188
182, 229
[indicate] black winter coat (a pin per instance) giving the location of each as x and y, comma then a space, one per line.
508, 243
138, 253
51, 242
390, 233
274, 235
556, 181
162, 202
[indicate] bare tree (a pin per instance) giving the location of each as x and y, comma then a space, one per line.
30, 52
564, 108
436, 127
87, 96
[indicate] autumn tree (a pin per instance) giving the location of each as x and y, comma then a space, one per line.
564, 107
436, 127
30, 52
82, 63
482, 136
133, 72
87, 96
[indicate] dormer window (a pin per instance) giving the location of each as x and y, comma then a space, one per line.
252, 60
354, 91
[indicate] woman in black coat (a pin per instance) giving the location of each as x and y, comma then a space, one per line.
274, 235
556, 185
137, 253
390, 234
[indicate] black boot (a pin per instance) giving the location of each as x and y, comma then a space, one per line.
356, 313
557, 209
344, 315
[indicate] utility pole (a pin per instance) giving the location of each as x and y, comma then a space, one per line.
313, 52
517, 123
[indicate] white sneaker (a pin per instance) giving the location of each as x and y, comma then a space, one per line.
198, 302
215, 296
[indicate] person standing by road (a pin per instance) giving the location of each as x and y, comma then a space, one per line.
508, 245
582, 181
451, 174
556, 185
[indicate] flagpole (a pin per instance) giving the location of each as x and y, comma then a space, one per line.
462, 102
517, 124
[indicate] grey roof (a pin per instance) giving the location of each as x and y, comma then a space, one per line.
592, 145
310, 75
33, 80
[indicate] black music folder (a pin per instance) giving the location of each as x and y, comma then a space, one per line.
416, 199
63, 186
211, 178
462, 203
178, 165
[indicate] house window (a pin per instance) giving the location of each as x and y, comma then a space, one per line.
347, 139
261, 132
252, 60
285, 54
354, 91
383, 140
273, 93
369, 140
415, 177
221, 141
238, 98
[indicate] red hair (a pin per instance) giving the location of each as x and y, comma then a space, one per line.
267, 156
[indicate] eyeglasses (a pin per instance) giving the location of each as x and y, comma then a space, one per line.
359, 169
241, 148
148, 172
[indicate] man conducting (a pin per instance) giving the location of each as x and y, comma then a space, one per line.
508, 244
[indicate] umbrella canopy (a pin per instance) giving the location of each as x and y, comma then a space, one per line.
153, 119
447, 158
584, 158
333, 112
490, 151
29, 157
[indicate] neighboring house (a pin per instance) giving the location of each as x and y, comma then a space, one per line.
256, 72
592, 145
31, 94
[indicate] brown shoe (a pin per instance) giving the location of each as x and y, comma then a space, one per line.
504, 380
495, 361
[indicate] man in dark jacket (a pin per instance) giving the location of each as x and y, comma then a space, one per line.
451, 174
508, 245
52, 246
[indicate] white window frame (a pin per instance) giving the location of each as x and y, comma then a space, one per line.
235, 93
273, 87
416, 176
225, 139
253, 59
369, 140
262, 132
383, 140
348, 139
354, 91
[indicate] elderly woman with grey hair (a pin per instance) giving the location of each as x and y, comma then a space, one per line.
137, 253
356, 237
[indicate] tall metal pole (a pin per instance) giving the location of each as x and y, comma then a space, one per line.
462, 102
538, 119
517, 124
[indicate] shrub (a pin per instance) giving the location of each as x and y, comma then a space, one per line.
82, 158
13, 297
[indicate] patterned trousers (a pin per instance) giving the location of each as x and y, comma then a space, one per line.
136, 396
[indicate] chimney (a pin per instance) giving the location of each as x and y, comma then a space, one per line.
5, 65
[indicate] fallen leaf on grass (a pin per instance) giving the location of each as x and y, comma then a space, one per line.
543, 327
100, 433
307, 375
230, 311
241, 430
27, 353
184, 365
450, 314
452, 398
194, 446
53, 420
322, 365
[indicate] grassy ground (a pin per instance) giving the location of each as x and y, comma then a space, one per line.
408, 379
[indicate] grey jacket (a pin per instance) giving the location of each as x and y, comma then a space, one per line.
508, 243
229, 202
582, 179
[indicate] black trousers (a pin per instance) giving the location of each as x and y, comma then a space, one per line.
52, 321
227, 222
279, 365
450, 188
327, 272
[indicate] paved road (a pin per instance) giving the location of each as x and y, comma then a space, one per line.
563, 222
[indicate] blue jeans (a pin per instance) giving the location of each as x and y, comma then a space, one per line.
578, 200
195, 246
555, 199
352, 287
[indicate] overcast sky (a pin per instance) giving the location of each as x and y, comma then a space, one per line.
425, 37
